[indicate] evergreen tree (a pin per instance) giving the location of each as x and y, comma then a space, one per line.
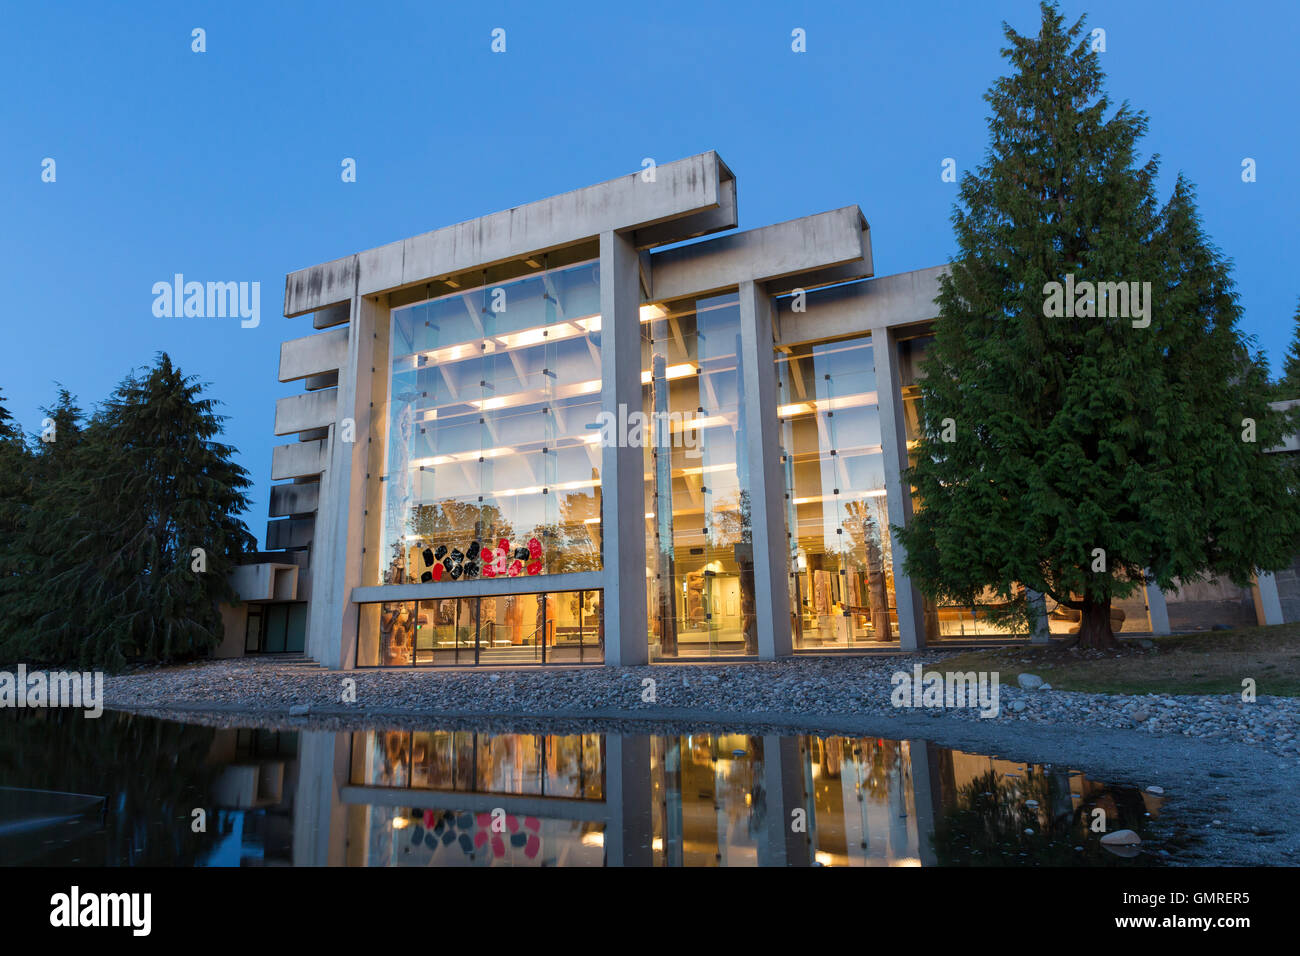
15, 499
1289, 386
1087, 451
53, 489
154, 484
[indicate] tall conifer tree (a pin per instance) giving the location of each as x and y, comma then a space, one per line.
1090, 452
157, 531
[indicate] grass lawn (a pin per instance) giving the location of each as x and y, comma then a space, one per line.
1211, 662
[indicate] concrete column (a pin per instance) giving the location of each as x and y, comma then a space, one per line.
340, 520
766, 482
1157, 610
898, 493
629, 824
622, 478
1268, 604
1042, 632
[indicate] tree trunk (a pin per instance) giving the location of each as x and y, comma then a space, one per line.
1094, 628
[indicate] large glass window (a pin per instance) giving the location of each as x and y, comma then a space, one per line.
700, 581
840, 565
485, 465
556, 627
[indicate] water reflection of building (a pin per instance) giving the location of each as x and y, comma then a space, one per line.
252, 797
460, 798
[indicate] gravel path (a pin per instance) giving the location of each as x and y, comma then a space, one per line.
802, 687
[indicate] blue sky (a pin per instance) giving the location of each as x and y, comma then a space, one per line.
225, 165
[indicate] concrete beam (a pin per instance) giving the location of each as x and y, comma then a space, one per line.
331, 316
828, 239
681, 189
267, 581
705, 223
295, 499
297, 413
313, 354
299, 460
285, 533
892, 302
479, 587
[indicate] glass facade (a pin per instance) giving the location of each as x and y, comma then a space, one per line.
554, 627
482, 462
699, 551
837, 522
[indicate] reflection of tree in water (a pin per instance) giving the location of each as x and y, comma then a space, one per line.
153, 774
987, 824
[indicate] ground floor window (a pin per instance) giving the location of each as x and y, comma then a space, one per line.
555, 627
276, 629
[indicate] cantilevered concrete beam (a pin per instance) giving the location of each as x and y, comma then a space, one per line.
888, 302
797, 247
313, 354
299, 460
297, 413
684, 190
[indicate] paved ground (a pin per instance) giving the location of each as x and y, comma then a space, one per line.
1230, 770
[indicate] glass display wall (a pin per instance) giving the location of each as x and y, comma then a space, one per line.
481, 461
699, 551
555, 627
839, 558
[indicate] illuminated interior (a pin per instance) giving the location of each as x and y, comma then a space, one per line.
699, 551
839, 559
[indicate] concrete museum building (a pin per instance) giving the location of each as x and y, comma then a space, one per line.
567, 433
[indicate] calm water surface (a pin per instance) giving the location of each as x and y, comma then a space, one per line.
124, 791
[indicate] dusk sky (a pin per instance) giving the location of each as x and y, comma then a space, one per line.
225, 165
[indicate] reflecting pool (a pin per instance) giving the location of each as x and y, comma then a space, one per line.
126, 790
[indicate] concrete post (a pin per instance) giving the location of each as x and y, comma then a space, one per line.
622, 478
1042, 631
1157, 610
898, 493
1268, 604
340, 520
767, 486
